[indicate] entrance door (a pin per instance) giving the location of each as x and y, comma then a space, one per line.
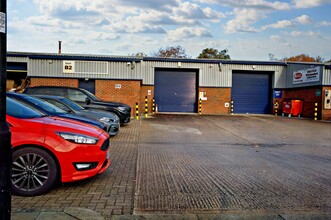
251, 92
176, 90
89, 85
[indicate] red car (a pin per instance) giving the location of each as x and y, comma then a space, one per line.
51, 149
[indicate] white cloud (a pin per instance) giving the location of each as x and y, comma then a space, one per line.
324, 23
304, 19
243, 21
307, 34
186, 32
279, 24
257, 4
193, 11
310, 3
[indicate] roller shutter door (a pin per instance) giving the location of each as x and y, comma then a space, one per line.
175, 90
251, 93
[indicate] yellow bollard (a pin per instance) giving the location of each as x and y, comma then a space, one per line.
146, 107
137, 111
153, 107
316, 109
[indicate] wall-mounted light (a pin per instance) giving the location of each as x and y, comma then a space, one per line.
132, 64
179, 64
253, 67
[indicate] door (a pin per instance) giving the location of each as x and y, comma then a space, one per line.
251, 92
176, 90
89, 85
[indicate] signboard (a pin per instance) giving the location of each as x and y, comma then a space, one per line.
306, 75
2, 22
278, 94
68, 66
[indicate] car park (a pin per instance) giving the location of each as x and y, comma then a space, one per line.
52, 110
109, 118
47, 150
85, 99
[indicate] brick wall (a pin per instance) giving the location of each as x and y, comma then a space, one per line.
128, 93
309, 98
216, 99
149, 92
326, 113
53, 82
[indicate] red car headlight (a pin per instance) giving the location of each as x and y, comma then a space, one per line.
78, 138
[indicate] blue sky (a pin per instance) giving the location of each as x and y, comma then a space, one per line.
249, 29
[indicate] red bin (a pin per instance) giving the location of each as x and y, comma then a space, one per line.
296, 109
286, 108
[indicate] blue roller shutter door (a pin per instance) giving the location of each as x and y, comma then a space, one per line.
251, 93
175, 91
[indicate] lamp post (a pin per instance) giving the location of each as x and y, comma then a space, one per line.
5, 136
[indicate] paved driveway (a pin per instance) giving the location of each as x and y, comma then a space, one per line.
207, 164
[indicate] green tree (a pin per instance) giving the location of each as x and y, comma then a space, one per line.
211, 53
173, 52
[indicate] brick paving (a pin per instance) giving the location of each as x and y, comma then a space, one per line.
187, 164
110, 193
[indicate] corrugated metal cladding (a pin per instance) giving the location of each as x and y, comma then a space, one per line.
85, 69
278, 78
209, 73
17, 59
326, 77
213, 74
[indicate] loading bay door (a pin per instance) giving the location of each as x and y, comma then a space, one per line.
175, 90
251, 92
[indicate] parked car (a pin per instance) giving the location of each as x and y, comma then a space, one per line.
51, 149
84, 98
69, 106
52, 110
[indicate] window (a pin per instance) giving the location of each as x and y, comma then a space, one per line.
76, 95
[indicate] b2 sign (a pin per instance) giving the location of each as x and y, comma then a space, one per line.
306, 75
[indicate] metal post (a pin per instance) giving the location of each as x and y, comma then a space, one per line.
146, 107
137, 111
153, 106
5, 136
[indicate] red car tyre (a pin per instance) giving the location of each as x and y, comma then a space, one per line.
34, 171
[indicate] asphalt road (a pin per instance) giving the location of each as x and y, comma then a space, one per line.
207, 164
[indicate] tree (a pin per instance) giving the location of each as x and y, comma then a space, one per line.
211, 53
304, 58
173, 52
139, 54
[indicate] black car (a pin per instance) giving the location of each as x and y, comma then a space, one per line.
51, 110
69, 106
84, 98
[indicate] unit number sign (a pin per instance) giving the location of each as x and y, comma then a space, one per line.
68, 66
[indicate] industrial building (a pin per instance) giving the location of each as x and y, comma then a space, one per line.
182, 85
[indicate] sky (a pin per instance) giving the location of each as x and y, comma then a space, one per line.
248, 29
